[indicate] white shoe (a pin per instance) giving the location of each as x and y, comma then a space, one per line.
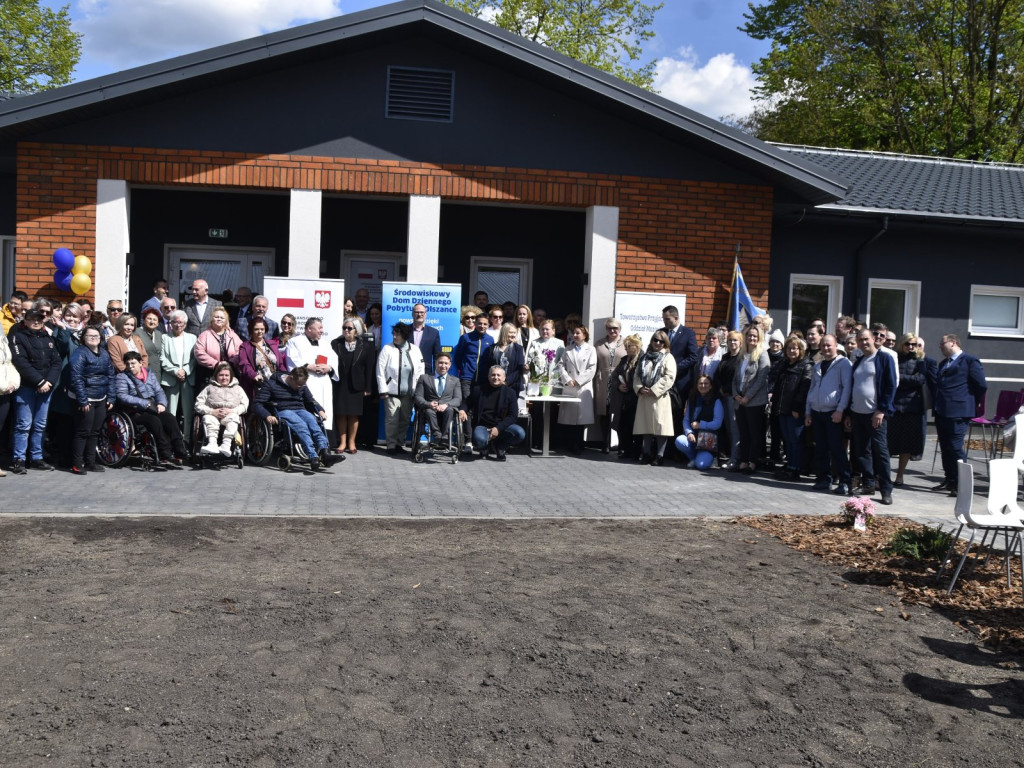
225, 447
209, 449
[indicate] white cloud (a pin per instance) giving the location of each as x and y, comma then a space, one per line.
126, 33
721, 87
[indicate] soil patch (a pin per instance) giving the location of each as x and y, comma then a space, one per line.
269, 642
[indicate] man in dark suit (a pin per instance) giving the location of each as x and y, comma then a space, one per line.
426, 338
683, 345
439, 394
960, 388
257, 310
199, 308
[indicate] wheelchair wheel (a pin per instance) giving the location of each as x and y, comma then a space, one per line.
284, 462
116, 439
145, 446
259, 441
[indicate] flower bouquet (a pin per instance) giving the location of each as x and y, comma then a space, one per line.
543, 370
858, 511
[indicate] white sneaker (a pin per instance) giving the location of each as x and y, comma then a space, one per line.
209, 449
225, 448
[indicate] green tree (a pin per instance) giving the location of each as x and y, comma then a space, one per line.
930, 77
606, 34
38, 49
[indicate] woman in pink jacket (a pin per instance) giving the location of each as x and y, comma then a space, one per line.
216, 344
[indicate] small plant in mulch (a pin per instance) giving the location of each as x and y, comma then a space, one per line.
919, 543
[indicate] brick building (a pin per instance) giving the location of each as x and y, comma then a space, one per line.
409, 132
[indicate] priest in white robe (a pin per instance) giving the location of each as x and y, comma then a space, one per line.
313, 351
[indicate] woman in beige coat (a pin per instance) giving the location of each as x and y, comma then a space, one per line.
10, 380
579, 364
655, 374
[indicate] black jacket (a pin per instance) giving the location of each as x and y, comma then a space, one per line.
792, 383
35, 355
275, 396
362, 373
910, 391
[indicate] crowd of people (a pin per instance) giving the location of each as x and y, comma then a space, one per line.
832, 407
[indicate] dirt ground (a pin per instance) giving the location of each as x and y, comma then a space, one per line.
269, 642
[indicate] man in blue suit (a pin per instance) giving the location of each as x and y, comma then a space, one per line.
438, 397
683, 344
960, 388
426, 338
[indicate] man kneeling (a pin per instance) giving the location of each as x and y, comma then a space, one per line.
285, 396
495, 408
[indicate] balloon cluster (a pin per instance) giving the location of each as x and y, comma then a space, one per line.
72, 272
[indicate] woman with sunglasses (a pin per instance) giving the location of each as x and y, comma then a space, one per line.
906, 427
652, 380
356, 371
287, 324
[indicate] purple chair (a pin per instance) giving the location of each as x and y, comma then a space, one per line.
1007, 405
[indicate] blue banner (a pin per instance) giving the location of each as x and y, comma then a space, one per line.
442, 301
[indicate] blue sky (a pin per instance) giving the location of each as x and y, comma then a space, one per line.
703, 60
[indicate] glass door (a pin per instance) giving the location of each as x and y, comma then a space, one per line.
223, 269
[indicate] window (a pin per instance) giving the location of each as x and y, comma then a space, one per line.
996, 311
6, 268
812, 296
503, 279
897, 303
223, 268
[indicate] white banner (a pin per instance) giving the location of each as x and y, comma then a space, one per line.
640, 313
306, 297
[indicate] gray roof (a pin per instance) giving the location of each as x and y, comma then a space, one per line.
23, 116
921, 187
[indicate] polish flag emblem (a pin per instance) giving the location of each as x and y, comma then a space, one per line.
322, 299
291, 299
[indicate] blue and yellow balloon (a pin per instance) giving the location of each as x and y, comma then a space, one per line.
72, 272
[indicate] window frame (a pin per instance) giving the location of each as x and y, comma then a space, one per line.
525, 267
1002, 333
911, 302
835, 284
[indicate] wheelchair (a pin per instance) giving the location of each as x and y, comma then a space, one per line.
450, 447
122, 441
216, 461
264, 441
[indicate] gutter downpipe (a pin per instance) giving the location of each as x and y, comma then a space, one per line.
860, 305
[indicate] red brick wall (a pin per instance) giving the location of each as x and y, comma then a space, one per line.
674, 236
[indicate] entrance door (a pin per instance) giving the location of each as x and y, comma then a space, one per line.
223, 268
502, 279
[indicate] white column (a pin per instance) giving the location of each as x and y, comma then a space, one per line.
599, 263
110, 265
304, 233
424, 238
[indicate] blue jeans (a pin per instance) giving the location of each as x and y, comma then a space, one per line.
511, 436
701, 459
793, 438
872, 451
306, 429
828, 447
30, 409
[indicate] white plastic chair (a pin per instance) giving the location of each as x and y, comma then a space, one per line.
1003, 516
1018, 444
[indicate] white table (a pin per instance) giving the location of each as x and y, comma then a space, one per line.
545, 452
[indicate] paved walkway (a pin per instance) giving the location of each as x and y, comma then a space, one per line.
372, 484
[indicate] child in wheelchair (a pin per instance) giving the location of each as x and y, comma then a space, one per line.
221, 404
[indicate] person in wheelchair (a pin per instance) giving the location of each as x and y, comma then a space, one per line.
221, 404
439, 397
140, 395
285, 397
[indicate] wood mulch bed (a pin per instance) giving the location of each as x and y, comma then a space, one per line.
981, 602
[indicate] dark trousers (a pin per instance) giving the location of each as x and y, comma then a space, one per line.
872, 451
87, 430
950, 433
164, 428
751, 422
6, 426
828, 447
792, 429
467, 426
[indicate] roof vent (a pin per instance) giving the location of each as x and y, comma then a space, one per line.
420, 94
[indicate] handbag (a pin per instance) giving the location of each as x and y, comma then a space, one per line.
707, 440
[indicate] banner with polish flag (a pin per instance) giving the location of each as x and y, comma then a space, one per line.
307, 297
